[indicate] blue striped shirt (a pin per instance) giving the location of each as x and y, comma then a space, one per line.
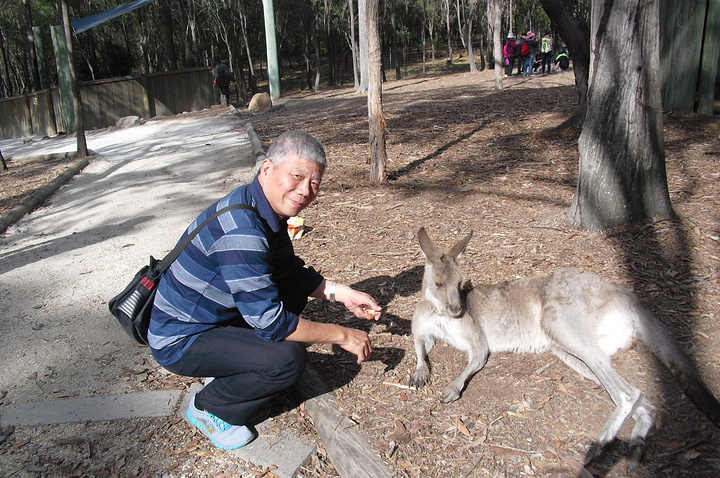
239, 267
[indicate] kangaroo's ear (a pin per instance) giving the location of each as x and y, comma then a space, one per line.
459, 249
426, 244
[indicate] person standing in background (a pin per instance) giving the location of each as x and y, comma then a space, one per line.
223, 78
510, 52
546, 48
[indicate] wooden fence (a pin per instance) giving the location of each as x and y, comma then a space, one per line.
106, 101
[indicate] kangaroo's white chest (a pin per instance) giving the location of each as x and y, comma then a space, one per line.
459, 333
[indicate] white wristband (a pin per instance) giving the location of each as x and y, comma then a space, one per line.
331, 291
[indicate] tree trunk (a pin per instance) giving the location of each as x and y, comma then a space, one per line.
316, 42
35, 73
143, 37
396, 58
363, 45
376, 118
622, 176
8, 85
167, 34
424, 59
469, 17
77, 101
353, 44
571, 24
449, 33
495, 22
252, 82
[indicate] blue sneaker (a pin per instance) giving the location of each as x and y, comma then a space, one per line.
221, 433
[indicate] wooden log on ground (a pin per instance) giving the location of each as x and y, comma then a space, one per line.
347, 448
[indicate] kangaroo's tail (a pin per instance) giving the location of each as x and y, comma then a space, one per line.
658, 338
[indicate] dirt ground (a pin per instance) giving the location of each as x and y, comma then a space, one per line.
463, 156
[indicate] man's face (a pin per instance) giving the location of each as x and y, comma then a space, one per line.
291, 186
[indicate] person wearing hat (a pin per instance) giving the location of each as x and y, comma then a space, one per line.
528, 55
223, 78
510, 52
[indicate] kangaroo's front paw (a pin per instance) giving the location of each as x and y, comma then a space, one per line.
450, 394
419, 380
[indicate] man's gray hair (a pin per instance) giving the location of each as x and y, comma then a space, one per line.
296, 143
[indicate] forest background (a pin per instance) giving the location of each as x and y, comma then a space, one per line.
314, 38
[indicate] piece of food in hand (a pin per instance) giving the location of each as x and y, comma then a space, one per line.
372, 312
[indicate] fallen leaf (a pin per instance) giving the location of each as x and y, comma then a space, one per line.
21, 443
690, 455
544, 402
462, 428
401, 434
670, 445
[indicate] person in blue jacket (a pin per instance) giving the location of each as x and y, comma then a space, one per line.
229, 307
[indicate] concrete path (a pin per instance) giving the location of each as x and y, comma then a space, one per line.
59, 265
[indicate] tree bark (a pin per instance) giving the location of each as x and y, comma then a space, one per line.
622, 177
77, 100
376, 117
572, 25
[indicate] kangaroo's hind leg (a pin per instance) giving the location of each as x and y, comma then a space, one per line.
629, 402
578, 346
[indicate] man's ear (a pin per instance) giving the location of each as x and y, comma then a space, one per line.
265, 166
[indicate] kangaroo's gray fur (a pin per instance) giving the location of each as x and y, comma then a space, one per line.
578, 316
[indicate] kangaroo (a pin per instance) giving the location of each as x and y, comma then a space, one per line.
578, 316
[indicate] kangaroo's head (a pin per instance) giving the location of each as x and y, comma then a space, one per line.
442, 278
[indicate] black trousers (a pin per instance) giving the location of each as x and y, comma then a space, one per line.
248, 370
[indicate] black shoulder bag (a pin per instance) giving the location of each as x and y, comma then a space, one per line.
132, 306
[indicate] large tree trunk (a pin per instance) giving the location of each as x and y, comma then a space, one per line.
376, 118
571, 23
77, 101
622, 176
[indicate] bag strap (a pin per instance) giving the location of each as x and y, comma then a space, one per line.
172, 255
